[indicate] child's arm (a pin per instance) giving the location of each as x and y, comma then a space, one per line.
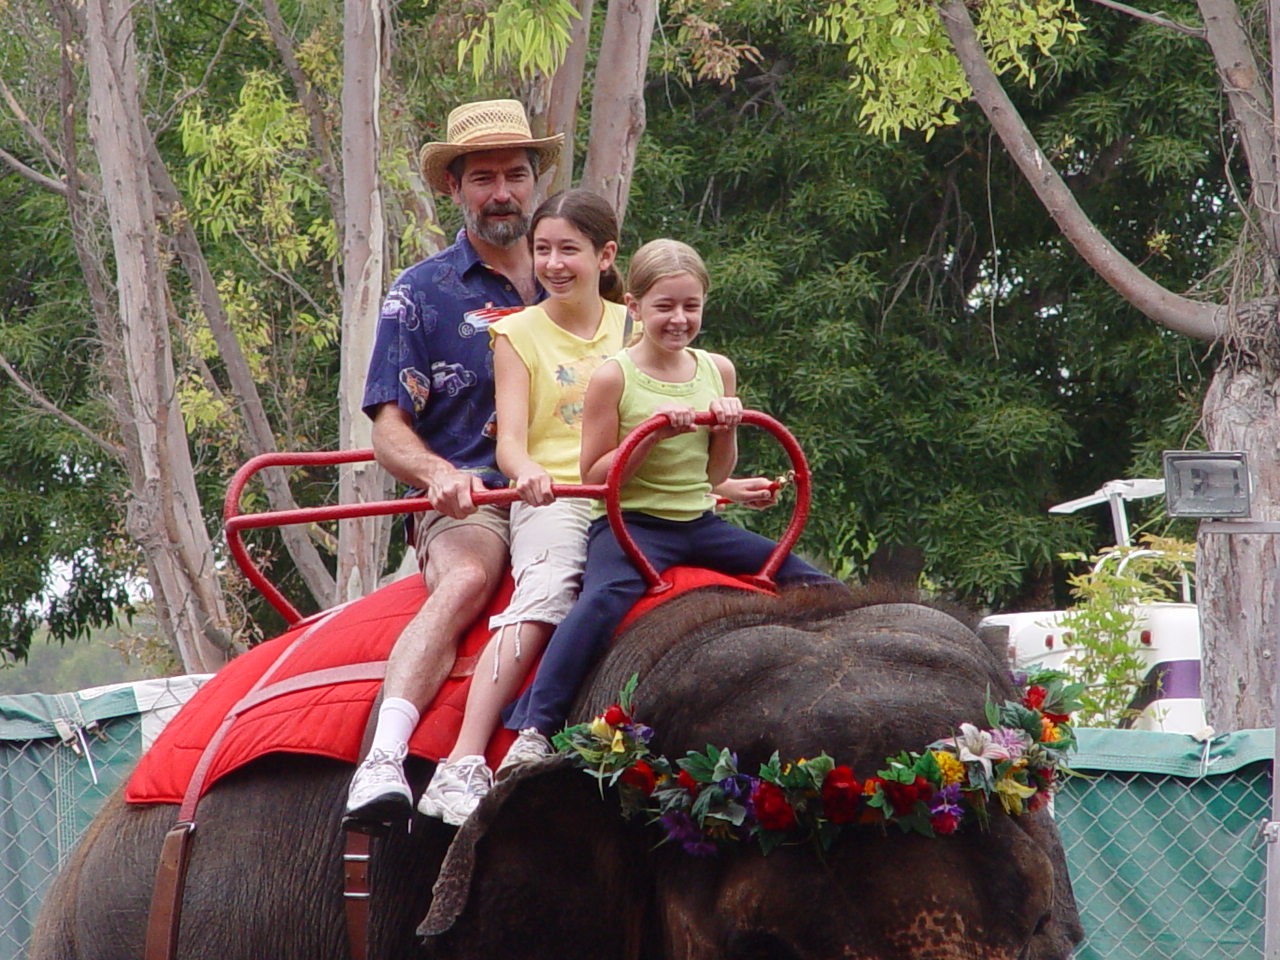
600, 426
723, 452
511, 395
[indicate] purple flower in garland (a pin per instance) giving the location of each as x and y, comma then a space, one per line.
681, 829
945, 811
638, 731
738, 787
1015, 741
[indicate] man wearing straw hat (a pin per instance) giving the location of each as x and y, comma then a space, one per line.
430, 394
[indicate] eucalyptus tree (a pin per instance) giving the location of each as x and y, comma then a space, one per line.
900, 49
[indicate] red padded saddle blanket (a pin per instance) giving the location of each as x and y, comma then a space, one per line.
310, 691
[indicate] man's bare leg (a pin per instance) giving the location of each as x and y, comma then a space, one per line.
464, 566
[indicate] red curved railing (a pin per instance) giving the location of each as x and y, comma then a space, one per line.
234, 522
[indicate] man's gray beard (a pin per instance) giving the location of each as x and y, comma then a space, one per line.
499, 233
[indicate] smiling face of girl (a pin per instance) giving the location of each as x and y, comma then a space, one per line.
567, 263
670, 311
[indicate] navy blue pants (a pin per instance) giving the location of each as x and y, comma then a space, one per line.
611, 585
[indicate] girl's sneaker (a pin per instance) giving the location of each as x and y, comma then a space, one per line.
530, 745
456, 789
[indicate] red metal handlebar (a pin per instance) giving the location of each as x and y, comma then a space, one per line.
234, 521
799, 513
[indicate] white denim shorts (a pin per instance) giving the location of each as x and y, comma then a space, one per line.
548, 551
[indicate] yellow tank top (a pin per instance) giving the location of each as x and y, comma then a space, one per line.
559, 364
672, 482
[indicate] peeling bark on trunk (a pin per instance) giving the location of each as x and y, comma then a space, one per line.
1239, 574
164, 511
361, 543
617, 108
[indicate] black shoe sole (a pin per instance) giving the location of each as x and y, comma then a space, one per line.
379, 814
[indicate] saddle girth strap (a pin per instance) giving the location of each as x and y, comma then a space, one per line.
356, 890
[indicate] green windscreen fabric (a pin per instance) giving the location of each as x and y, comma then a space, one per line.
1161, 842
61, 756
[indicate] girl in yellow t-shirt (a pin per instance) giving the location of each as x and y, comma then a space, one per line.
543, 358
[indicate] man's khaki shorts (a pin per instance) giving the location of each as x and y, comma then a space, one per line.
430, 524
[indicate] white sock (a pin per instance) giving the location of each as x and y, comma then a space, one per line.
397, 719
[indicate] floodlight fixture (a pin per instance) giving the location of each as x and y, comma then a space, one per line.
1207, 484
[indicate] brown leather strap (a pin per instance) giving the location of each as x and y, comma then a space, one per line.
356, 890
166, 898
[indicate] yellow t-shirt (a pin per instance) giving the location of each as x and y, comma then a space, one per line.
672, 482
559, 364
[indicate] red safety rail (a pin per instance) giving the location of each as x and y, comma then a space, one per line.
234, 522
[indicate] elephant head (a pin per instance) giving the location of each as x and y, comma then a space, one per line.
549, 867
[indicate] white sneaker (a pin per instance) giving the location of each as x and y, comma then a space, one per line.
530, 745
379, 791
456, 789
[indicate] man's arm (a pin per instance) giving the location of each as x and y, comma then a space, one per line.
406, 456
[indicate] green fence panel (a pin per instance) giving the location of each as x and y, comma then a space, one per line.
1162, 844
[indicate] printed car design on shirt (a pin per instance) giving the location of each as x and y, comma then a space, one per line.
478, 321
418, 387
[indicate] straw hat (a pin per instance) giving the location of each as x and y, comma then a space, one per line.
485, 125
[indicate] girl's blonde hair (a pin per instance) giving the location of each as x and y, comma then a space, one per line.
659, 259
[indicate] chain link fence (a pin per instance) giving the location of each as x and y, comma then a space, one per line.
60, 758
1160, 834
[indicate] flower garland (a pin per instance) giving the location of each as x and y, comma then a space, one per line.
704, 801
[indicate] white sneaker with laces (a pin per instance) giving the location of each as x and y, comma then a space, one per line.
379, 790
530, 745
456, 789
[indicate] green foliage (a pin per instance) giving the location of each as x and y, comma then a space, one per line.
1102, 622
904, 70
529, 35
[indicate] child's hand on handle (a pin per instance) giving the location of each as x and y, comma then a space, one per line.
758, 493
728, 413
533, 483
680, 417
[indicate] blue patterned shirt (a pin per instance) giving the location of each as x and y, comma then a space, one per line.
432, 357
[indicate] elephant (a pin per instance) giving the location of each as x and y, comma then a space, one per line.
548, 867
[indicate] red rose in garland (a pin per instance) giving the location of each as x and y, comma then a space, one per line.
1033, 699
944, 822
685, 779
641, 776
904, 796
772, 810
616, 716
841, 795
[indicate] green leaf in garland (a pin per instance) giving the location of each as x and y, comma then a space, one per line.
628, 689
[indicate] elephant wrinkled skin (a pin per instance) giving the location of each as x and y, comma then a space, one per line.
547, 868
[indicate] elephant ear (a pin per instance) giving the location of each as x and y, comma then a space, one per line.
545, 867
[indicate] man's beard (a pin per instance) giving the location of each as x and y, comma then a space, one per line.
499, 233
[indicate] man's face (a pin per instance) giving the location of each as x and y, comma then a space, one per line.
495, 193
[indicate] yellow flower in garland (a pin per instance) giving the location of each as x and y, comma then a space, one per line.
1049, 732
951, 768
1012, 793
601, 730
619, 742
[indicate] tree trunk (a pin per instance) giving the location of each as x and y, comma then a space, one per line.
617, 108
164, 511
1239, 574
560, 113
361, 543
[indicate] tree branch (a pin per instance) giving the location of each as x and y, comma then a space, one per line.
329, 171
1204, 321
44, 403
35, 176
1158, 19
